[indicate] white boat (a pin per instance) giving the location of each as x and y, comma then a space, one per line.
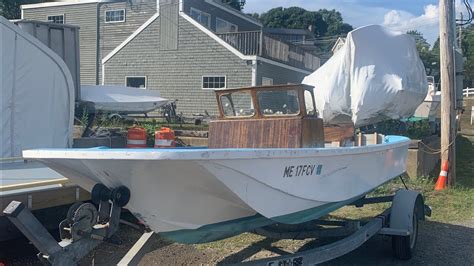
431, 107
111, 98
260, 168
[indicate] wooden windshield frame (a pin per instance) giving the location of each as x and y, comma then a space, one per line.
299, 88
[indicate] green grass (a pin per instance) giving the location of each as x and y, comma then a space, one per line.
454, 204
451, 205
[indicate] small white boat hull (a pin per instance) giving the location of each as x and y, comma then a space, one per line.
199, 195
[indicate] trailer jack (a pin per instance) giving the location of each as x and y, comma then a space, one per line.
84, 228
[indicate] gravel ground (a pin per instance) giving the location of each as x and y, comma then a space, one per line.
438, 244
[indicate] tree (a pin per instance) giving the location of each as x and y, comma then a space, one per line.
254, 15
429, 57
10, 9
237, 4
467, 46
323, 22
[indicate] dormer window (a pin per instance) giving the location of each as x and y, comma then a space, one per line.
225, 26
201, 17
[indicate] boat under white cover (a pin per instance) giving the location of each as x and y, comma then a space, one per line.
122, 99
199, 195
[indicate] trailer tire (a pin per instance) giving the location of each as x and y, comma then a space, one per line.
406, 211
403, 246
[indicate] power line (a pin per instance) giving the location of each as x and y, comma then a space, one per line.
470, 15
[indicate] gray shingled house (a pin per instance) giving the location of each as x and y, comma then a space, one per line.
183, 48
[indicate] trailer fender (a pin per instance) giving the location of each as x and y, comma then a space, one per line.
405, 203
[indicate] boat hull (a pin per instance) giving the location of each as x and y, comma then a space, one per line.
199, 195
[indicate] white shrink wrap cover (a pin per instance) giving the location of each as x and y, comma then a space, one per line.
36, 94
376, 75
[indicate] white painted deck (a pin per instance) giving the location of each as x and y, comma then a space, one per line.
27, 176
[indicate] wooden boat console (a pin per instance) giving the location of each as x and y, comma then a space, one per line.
281, 116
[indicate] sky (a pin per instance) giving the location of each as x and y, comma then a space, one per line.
401, 15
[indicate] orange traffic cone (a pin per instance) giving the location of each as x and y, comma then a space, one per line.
443, 175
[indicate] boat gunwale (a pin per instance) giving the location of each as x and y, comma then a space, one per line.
203, 154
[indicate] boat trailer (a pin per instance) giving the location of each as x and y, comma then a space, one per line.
85, 227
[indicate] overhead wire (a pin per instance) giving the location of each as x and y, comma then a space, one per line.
463, 22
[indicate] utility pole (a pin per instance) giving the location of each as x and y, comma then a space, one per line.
460, 33
448, 100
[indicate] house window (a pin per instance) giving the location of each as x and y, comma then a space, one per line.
136, 82
213, 82
201, 17
113, 16
225, 26
267, 81
56, 19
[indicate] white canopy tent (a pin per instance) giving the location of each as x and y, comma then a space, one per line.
37, 94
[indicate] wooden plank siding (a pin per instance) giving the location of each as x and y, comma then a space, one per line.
291, 132
113, 34
279, 75
215, 12
46, 198
110, 35
338, 132
169, 25
261, 44
84, 16
177, 74
256, 133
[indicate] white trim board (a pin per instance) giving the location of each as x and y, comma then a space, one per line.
216, 38
201, 13
130, 38
115, 10
210, 34
50, 4
213, 76
269, 61
235, 51
233, 12
254, 72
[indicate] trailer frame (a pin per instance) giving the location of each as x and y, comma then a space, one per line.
86, 227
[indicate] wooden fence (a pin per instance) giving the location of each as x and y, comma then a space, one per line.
258, 43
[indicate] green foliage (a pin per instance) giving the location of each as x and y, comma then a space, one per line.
84, 117
418, 130
467, 46
323, 22
431, 60
254, 15
414, 130
105, 119
10, 9
237, 4
429, 57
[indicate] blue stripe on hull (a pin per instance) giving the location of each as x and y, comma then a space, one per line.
217, 231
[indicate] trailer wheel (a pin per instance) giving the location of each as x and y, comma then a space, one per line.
403, 246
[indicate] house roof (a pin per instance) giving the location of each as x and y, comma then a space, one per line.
66, 3
234, 11
287, 31
340, 41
